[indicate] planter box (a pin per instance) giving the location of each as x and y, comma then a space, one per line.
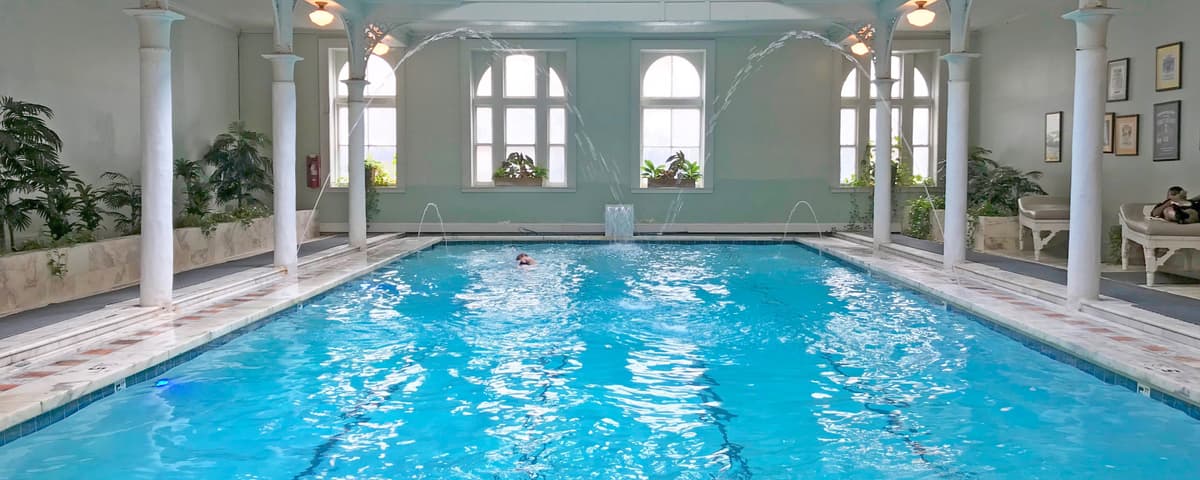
681, 183
937, 225
996, 233
517, 182
106, 265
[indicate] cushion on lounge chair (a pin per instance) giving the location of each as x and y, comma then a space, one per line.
1136, 220
1042, 207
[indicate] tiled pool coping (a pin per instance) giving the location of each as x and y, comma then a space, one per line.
46, 419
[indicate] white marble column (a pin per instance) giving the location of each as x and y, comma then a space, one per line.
954, 250
882, 46
356, 165
283, 132
157, 238
1091, 57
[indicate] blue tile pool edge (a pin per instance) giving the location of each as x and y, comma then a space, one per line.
1055, 353
46, 419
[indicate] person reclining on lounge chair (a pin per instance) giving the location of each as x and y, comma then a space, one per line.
1177, 207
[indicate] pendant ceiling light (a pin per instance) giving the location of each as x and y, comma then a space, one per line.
321, 17
860, 49
921, 16
381, 49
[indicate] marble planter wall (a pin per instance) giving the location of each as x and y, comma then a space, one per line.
26, 281
996, 233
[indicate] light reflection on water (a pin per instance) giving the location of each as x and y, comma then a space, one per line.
617, 361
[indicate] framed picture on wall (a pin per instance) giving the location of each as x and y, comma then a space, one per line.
1118, 80
1110, 120
1168, 67
1166, 131
1126, 134
1053, 137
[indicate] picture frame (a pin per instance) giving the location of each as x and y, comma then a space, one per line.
1168, 67
1118, 80
1053, 138
1126, 135
1110, 123
1167, 123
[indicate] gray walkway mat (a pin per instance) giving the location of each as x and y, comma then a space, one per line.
28, 320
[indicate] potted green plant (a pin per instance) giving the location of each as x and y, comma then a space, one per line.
518, 170
992, 194
679, 172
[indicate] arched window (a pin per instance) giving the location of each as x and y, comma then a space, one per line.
913, 116
672, 115
519, 105
378, 120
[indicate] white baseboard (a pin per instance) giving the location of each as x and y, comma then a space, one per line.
587, 228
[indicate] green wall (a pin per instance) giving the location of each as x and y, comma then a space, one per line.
774, 145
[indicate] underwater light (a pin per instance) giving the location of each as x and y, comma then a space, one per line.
162, 382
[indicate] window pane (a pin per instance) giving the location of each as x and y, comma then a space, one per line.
528, 150
343, 75
921, 161
340, 177
558, 165
920, 86
485, 84
656, 127
385, 156
846, 161
483, 163
556, 85
871, 126
520, 126
671, 76
850, 86
848, 126
558, 126
895, 124
685, 127
920, 126
483, 125
343, 133
692, 154
898, 74
658, 155
519, 77
381, 126
380, 77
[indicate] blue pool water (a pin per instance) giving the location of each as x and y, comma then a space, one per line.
691, 361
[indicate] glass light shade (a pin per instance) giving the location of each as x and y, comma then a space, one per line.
860, 49
921, 16
320, 17
381, 49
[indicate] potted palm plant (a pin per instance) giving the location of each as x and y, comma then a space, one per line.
992, 194
28, 149
679, 172
241, 167
518, 170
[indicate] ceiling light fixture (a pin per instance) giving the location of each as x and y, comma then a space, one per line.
860, 49
321, 17
381, 49
922, 16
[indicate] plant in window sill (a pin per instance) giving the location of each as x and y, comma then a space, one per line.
518, 170
679, 172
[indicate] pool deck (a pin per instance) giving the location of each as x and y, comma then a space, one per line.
38, 375
50, 372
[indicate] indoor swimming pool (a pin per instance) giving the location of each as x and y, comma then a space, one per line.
614, 361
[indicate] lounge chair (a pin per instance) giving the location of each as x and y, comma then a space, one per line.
1039, 214
1137, 227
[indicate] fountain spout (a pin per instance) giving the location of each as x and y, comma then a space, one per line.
618, 222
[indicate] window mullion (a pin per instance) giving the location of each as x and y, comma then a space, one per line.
498, 135
542, 92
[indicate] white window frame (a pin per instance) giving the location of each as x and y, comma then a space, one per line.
541, 102
707, 50
863, 103
328, 89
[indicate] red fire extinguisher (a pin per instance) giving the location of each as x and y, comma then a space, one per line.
313, 169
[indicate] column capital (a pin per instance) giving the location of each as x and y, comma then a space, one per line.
883, 82
960, 65
1091, 26
960, 57
154, 26
283, 65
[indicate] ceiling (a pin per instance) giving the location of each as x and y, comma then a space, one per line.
598, 17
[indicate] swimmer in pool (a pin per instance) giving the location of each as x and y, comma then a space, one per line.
523, 259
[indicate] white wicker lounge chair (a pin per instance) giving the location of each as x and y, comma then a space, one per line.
1152, 235
1039, 214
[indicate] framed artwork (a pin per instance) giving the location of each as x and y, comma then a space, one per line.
1166, 131
1126, 134
1053, 137
1168, 67
1118, 80
1110, 120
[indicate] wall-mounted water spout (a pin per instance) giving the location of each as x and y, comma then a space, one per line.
618, 222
